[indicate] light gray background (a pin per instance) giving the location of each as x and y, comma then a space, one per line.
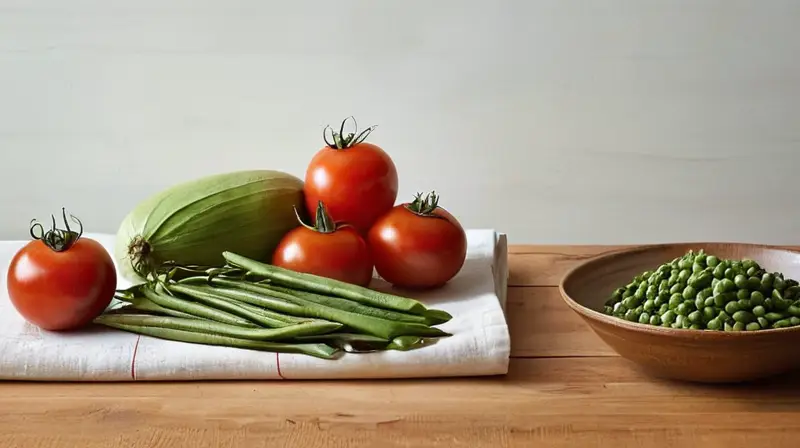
554, 121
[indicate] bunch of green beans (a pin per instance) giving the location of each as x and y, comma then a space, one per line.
702, 292
264, 307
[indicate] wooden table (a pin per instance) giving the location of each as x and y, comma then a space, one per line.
564, 388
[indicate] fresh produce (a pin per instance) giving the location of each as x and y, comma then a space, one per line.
253, 305
355, 179
60, 280
326, 249
703, 292
247, 212
418, 245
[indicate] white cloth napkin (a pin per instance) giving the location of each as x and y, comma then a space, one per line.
480, 344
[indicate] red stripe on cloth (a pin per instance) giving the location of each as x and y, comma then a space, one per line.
133, 359
278, 360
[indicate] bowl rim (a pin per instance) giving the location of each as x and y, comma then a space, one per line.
682, 333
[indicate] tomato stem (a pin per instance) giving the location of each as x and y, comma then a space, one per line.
339, 140
424, 206
57, 239
323, 223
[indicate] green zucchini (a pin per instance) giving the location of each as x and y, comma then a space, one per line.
194, 222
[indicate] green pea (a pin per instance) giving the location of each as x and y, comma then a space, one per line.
668, 317
752, 326
663, 308
773, 317
742, 294
763, 323
639, 294
794, 320
682, 309
793, 310
712, 261
714, 324
739, 326
631, 302
689, 293
684, 263
705, 293
791, 292
683, 276
754, 283
751, 271
608, 310
651, 292
701, 280
719, 271
672, 280
724, 285
743, 316
644, 318
655, 320
699, 303
620, 308
766, 280
768, 303
724, 317
695, 317
681, 320
779, 284
740, 281
663, 286
727, 327
658, 301
720, 300
649, 305
709, 313
676, 288
732, 307
730, 274
759, 311
709, 301
631, 315
627, 293
697, 267
783, 323
675, 300
745, 304
757, 298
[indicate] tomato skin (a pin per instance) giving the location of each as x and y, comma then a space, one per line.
342, 254
60, 291
358, 184
417, 252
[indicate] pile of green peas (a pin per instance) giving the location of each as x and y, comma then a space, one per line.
702, 292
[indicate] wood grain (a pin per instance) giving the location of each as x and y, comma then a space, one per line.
565, 388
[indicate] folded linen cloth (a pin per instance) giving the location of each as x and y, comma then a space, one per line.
480, 344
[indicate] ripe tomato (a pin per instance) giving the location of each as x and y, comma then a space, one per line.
327, 250
356, 180
418, 245
61, 281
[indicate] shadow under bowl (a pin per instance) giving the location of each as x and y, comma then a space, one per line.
683, 354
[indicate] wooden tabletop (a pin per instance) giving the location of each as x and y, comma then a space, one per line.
565, 388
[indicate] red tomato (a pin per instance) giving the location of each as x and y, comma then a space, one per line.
327, 250
356, 180
61, 281
418, 245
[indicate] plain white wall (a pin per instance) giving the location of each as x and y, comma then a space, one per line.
554, 121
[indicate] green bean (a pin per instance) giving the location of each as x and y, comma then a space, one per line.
773, 317
195, 309
144, 304
322, 285
371, 325
207, 326
355, 307
317, 350
207, 298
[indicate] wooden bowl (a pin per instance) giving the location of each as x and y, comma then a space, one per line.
690, 355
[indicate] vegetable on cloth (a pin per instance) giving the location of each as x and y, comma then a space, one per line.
700, 291
61, 280
328, 249
246, 304
192, 223
418, 245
